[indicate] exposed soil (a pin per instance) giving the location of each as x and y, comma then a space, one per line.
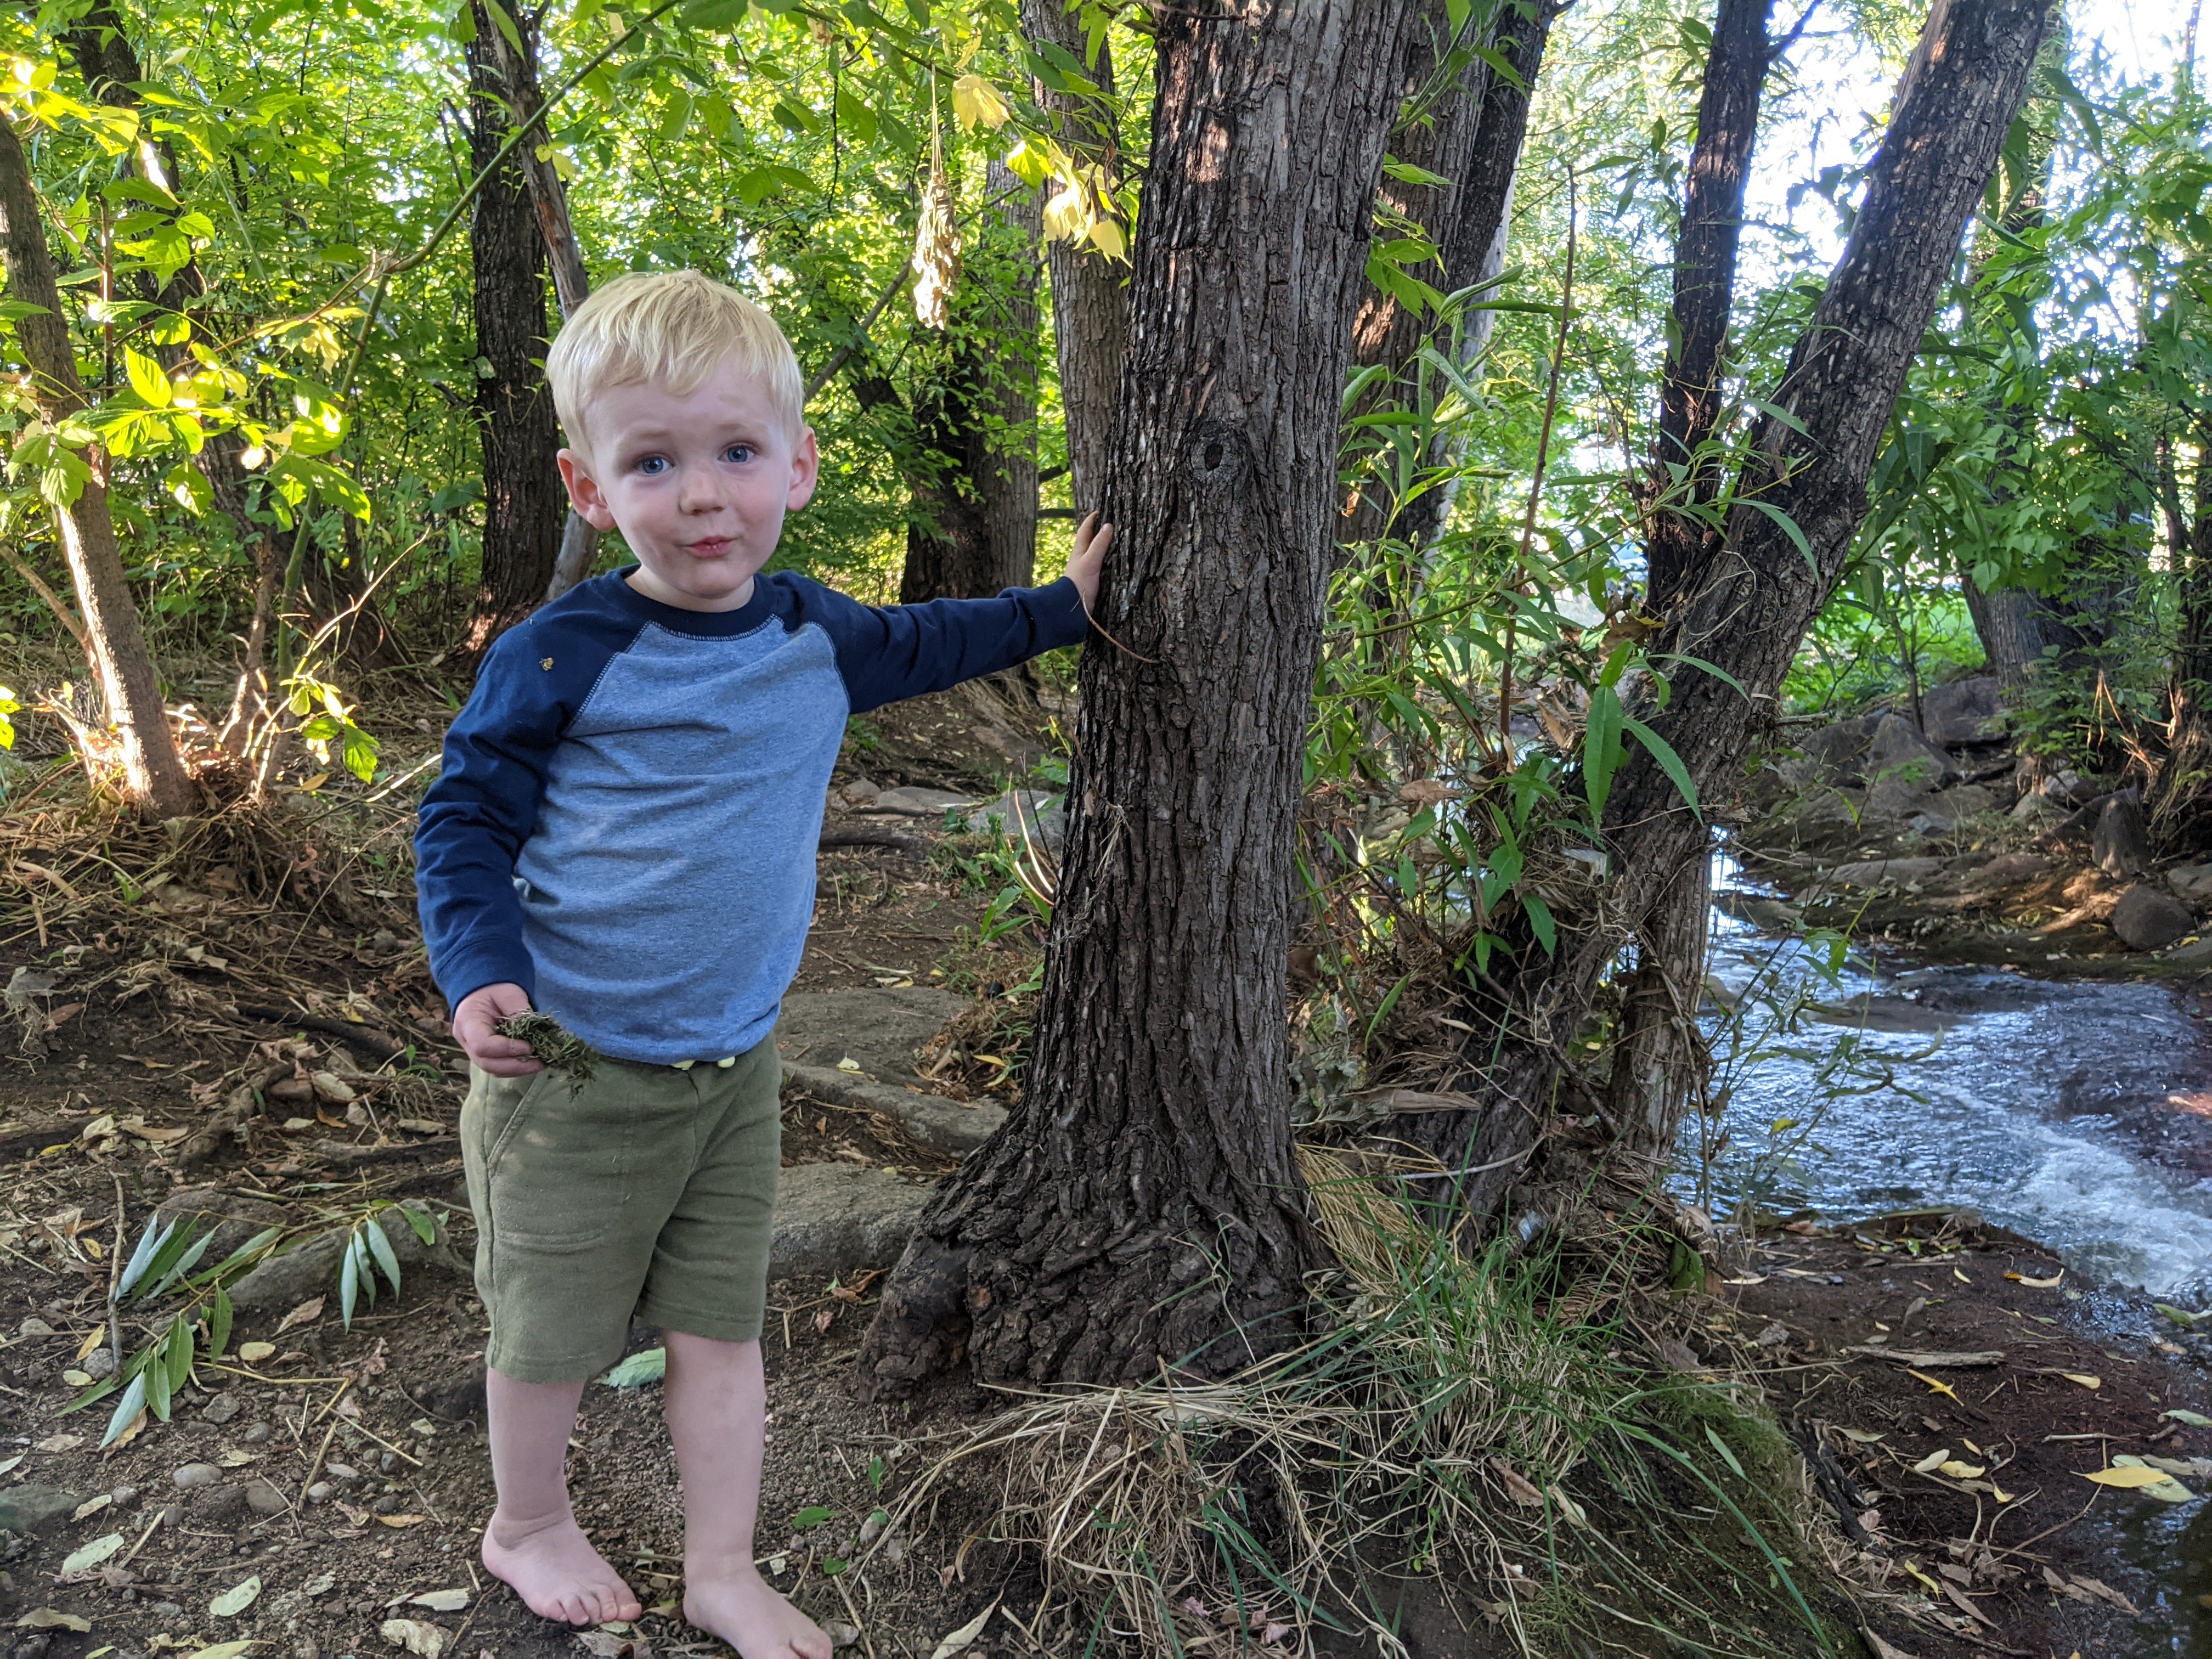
2025, 1554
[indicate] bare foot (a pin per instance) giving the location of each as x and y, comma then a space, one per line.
554, 1568
735, 1603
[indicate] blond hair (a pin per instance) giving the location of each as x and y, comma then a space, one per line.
673, 328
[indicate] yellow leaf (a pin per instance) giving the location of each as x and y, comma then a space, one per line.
2051, 1283
2128, 1479
254, 1352
1960, 1277
1913, 1567
1934, 1461
1068, 216
93, 1339
974, 99
1106, 237
2086, 1381
1959, 1471
1941, 1387
400, 1520
315, 782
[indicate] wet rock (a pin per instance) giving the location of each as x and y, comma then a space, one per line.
2120, 846
2146, 919
33, 1507
1965, 712
221, 1409
1886, 872
194, 1475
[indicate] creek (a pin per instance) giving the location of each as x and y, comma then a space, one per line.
2076, 1113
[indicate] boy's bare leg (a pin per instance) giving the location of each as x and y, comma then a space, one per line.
717, 1406
533, 1541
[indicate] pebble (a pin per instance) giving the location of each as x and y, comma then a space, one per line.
100, 1362
222, 1408
341, 1471
197, 1474
318, 1491
34, 1326
385, 1504
871, 1530
255, 1433
843, 1636
386, 1462
165, 1610
122, 1496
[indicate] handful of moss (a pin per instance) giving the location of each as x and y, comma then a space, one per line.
550, 1043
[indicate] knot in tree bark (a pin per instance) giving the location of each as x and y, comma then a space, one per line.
1216, 457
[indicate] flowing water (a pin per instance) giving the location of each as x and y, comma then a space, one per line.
2077, 1114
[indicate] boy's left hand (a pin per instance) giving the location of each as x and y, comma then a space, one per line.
1092, 538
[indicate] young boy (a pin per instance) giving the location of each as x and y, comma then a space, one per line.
623, 837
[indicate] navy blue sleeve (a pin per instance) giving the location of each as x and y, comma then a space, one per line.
889, 652
474, 819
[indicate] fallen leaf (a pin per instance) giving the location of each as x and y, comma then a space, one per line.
959, 1640
422, 1126
306, 1313
9, 1464
2194, 1419
1861, 1436
235, 1600
220, 1650
444, 1601
91, 1555
400, 1520
1930, 1463
93, 1505
49, 1618
1941, 1387
2050, 1284
93, 1339
59, 1442
848, 1064
233, 1458
649, 1365
254, 1352
1957, 1471
2103, 1592
2127, 1477
77, 1379
1959, 1599
426, 1641
2092, 1383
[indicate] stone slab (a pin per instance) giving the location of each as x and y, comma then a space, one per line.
838, 1219
879, 1031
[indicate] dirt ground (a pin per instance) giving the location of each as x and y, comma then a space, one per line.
334, 1479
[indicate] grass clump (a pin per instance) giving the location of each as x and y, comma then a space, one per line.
1470, 1460
550, 1043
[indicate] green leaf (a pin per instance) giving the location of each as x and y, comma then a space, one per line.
219, 1317
504, 24
253, 1247
349, 1280
88, 1556
1728, 1456
674, 119
713, 14
1601, 749
855, 116
126, 1410
183, 1264
1540, 923
1669, 761
811, 1516
238, 1597
1788, 526
148, 378
380, 1246
150, 1242
155, 1374
426, 1228
648, 1366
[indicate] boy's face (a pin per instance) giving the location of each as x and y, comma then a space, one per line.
697, 485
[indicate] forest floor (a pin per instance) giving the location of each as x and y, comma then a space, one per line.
320, 1490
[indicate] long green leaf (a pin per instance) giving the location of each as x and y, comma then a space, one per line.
219, 1317
380, 1246
150, 1241
133, 1402
1600, 749
1669, 761
183, 1264
1788, 526
348, 1281
154, 1377
253, 1247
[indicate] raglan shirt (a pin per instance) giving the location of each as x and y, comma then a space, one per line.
626, 822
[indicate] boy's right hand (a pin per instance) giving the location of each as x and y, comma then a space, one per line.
473, 1022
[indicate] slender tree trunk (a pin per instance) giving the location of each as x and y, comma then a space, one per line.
1002, 450
153, 772
1089, 304
948, 535
572, 282
1473, 139
2181, 797
1142, 1207
523, 504
1754, 601
1704, 292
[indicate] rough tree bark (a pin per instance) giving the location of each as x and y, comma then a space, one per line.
523, 504
2181, 797
1473, 137
1002, 451
1758, 593
572, 284
1089, 304
1142, 1205
1658, 1053
153, 772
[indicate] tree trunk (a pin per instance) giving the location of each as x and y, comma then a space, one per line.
2181, 797
1704, 291
1751, 608
153, 772
1142, 1208
948, 536
1473, 139
572, 284
1089, 305
523, 504
1002, 450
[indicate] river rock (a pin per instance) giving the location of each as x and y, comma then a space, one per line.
264, 1500
2008, 870
1832, 754
2146, 919
920, 803
1886, 872
1902, 768
2191, 881
2120, 845
1941, 811
1965, 712
833, 1218
197, 1474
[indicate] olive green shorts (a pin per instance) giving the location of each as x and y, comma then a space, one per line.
644, 1189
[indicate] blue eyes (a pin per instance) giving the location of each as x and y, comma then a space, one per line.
653, 466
